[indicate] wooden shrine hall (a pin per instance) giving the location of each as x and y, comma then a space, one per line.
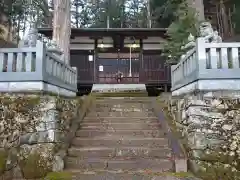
102, 54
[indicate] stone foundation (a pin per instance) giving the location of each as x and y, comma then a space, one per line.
210, 123
32, 131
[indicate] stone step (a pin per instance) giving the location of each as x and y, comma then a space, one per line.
119, 153
120, 114
120, 120
125, 175
110, 98
123, 133
100, 89
120, 142
123, 103
123, 100
120, 110
120, 126
159, 165
129, 106
112, 112
118, 137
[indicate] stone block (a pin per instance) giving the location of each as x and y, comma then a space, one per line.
35, 126
181, 165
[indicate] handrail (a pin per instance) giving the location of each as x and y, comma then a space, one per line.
207, 61
36, 64
189, 53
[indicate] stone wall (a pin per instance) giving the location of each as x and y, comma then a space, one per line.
33, 129
210, 125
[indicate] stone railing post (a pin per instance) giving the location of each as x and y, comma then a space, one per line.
40, 59
201, 54
173, 74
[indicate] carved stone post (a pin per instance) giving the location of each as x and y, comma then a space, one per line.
30, 36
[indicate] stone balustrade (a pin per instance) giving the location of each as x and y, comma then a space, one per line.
207, 67
30, 69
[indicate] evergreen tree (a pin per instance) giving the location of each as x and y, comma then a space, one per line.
236, 16
121, 13
185, 23
19, 13
164, 12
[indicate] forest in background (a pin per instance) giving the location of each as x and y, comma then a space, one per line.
172, 14
96, 13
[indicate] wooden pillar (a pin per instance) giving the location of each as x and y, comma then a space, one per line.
165, 88
95, 66
141, 72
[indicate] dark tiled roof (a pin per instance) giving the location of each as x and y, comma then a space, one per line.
161, 32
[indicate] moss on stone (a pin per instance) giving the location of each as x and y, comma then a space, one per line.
20, 104
23, 113
3, 160
215, 163
66, 108
30, 100
173, 127
87, 102
217, 172
218, 165
58, 176
34, 166
172, 174
182, 174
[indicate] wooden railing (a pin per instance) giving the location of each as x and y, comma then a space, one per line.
35, 65
209, 62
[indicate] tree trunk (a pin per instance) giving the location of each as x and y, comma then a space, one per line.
224, 18
149, 14
62, 26
18, 29
77, 15
199, 7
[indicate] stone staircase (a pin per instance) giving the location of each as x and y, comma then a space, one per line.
120, 139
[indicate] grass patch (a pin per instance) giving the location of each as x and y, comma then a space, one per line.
58, 176
182, 174
171, 174
34, 167
3, 161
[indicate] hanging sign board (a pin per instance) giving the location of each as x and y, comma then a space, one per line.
101, 68
90, 57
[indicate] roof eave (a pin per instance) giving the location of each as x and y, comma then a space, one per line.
84, 31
